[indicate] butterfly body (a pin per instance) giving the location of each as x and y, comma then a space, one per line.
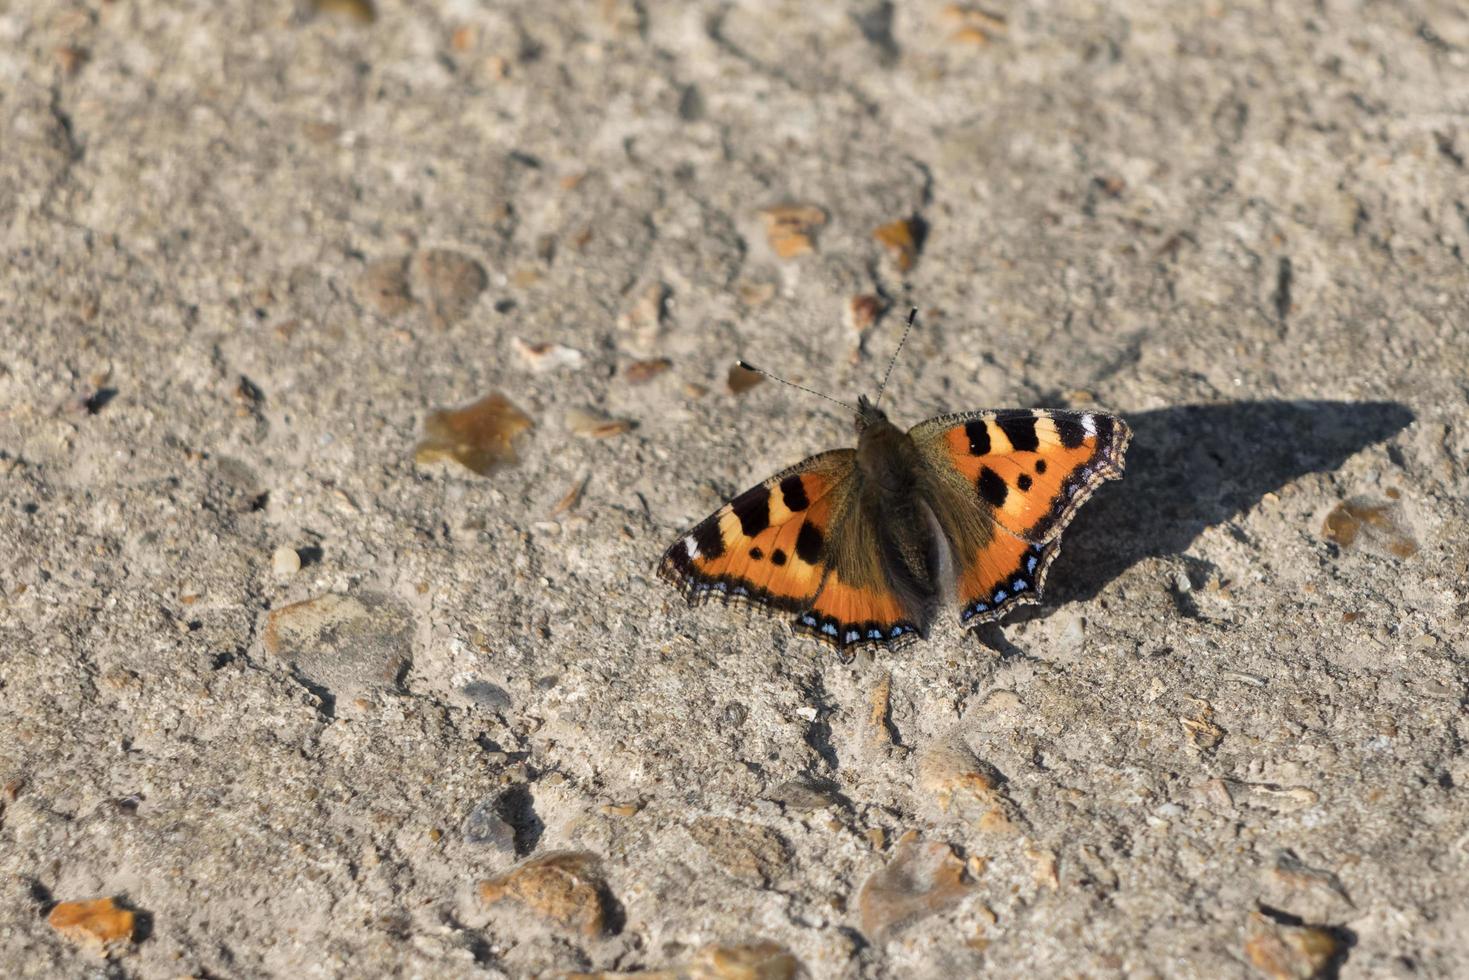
866, 545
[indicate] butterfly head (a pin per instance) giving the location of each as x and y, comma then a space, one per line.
868, 414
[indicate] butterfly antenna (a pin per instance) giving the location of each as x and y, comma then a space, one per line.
912, 315
812, 391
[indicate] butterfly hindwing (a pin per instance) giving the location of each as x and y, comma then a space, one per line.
767, 546
1006, 483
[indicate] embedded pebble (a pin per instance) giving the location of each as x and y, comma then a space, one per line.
486, 696
789, 227
485, 826
362, 11
642, 322
348, 644
742, 849
285, 562
643, 371
565, 887
594, 425
480, 437
448, 283
1290, 952
97, 923
900, 238
1376, 527
923, 878
722, 961
544, 357
946, 768
383, 286
741, 379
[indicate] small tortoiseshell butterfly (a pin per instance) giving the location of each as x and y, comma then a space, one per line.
865, 545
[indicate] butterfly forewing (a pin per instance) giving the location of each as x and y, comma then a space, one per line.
766, 547
1006, 484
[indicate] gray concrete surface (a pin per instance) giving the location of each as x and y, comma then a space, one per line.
249, 248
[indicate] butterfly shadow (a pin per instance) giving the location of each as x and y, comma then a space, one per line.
1195, 466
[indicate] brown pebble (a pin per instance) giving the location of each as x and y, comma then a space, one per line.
479, 436
1290, 952
448, 283
742, 379
900, 238
97, 923
789, 227
643, 371
565, 887
383, 286
596, 426
923, 877
361, 11
1372, 526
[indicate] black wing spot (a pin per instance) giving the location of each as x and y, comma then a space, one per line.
1024, 482
1040, 467
756, 554
992, 487
793, 492
708, 539
1020, 430
778, 557
809, 542
979, 437
753, 509
1071, 433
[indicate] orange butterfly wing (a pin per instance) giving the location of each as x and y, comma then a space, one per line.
1026, 473
766, 547
790, 544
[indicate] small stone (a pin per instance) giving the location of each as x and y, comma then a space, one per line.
348, 644
486, 696
946, 769
741, 379
285, 562
448, 283
643, 371
879, 706
359, 10
741, 849
1372, 526
485, 826
1201, 731
1291, 952
97, 923
479, 436
862, 312
383, 286
544, 357
900, 238
803, 796
70, 59
1046, 868
641, 323
571, 498
565, 887
788, 228
594, 425
720, 961
923, 878
620, 809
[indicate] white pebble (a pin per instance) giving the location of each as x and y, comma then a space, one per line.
285, 562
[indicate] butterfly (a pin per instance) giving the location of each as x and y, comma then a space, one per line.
864, 546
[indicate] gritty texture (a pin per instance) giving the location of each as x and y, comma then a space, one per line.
248, 250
